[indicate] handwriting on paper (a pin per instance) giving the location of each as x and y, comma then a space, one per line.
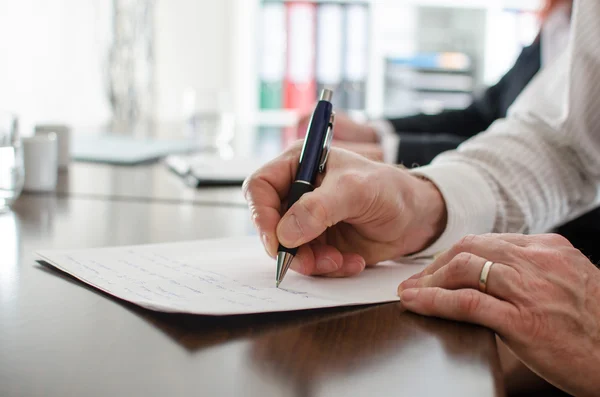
207, 277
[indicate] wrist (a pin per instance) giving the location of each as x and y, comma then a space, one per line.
430, 207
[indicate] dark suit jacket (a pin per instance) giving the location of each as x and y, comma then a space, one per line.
425, 136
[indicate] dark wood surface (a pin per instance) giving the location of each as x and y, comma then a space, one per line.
61, 338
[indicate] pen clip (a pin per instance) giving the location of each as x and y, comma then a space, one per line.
327, 143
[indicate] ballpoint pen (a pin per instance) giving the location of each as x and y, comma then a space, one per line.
313, 158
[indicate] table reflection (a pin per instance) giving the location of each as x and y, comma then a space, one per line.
341, 355
10, 251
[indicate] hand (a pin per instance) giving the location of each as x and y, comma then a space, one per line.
345, 129
543, 300
361, 213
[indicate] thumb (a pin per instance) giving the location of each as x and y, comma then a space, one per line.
313, 213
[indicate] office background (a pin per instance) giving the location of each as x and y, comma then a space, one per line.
206, 55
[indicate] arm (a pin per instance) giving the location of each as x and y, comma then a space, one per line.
541, 165
465, 122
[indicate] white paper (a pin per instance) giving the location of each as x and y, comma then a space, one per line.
220, 277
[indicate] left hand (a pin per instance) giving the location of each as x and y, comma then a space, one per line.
542, 299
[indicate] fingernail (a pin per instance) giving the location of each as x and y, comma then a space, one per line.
289, 231
407, 284
415, 276
326, 265
265, 240
409, 295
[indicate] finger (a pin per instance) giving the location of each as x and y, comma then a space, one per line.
462, 305
264, 191
464, 271
353, 264
277, 175
340, 197
486, 246
265, 220
304, 261
328, 259
324, 260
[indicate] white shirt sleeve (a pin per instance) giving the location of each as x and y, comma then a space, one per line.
388, 138
540, 166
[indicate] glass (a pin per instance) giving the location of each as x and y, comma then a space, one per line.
11, 161
208, 121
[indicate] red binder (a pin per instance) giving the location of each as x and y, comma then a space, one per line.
300, 84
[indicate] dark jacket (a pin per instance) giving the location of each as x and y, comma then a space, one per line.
425, 136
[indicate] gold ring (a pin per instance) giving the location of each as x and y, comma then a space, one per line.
484, 276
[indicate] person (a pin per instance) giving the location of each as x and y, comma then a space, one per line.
527, 173
424, 136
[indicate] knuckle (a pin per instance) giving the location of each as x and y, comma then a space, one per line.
316, 209
464, 259
558, 240
546, 257
465, 243
469, 301
459, 266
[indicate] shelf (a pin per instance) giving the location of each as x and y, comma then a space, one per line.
393, 35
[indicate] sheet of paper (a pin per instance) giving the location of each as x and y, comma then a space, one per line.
220, 277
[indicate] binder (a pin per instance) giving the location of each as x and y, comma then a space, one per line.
300, 85
356, 29
273, 48
329, 44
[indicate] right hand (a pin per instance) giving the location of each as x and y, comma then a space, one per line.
360, 213
345, 129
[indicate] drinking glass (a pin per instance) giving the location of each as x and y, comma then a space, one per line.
11, 161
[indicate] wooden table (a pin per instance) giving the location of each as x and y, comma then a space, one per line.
61, 338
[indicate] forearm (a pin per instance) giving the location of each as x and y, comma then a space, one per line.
465, 123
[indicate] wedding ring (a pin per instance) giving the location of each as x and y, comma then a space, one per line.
484, 276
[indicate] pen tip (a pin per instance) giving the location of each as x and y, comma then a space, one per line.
277, 284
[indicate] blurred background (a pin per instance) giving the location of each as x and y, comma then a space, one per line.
133, 64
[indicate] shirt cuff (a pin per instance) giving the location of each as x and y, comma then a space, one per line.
470, 203
388, 138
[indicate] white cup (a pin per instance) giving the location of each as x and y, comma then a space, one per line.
63, 134
40, 158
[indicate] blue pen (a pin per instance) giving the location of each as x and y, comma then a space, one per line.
313, 158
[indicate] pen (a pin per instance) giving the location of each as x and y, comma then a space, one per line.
313, 158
